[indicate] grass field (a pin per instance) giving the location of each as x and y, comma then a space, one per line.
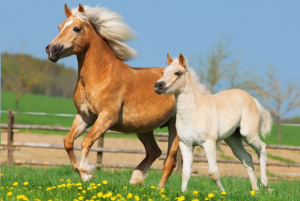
47, 104
62, 183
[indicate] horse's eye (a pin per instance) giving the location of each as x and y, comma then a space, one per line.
176, 73
76, 29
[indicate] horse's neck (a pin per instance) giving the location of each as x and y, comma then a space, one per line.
97, 61
188, 99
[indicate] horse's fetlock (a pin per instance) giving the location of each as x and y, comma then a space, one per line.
214, 176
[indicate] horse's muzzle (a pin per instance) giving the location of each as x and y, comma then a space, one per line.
159, 87
53, 51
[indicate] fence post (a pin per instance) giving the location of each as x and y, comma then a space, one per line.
179, 161
10, 137
100, 153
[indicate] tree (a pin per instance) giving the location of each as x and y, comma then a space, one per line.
220, 67
21, 76
280, 99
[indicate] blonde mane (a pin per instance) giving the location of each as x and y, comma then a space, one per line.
111, 27
202, 87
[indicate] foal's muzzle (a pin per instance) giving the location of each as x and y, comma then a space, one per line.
159, 87
54, 51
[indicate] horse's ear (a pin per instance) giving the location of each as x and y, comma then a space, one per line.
68, 12
81, 8
169, 59
181, 60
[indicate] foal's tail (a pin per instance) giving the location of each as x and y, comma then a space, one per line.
265, 120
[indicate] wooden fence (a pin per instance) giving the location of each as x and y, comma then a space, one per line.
10, 145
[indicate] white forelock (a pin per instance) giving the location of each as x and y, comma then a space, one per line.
202, 87
111, 27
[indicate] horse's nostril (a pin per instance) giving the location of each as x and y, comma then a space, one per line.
47, 49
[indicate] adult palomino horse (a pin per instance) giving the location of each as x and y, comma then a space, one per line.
230, 115
110, 94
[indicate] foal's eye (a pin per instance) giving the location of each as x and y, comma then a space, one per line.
176, 73
76, 29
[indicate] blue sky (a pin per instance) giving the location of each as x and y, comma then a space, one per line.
262, 32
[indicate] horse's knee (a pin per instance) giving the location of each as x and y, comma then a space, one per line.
86, 142
215, 176
68, 143
153, 153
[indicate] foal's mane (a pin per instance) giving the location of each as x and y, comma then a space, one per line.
111, 27
202, 87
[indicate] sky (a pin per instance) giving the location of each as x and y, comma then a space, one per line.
260, 32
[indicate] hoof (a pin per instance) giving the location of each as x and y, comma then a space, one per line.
86, 177
137, 178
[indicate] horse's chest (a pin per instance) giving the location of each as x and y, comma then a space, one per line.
189, 133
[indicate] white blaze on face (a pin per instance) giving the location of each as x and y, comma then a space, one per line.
68, 23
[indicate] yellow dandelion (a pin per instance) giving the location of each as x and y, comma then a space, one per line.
11, 188
93, 184
15, 183
137, 198
75, 199
150, 199
113, 198
125, 187
88, 189
79, 188
162, 190
119, 195
1, 175
25, 183
21, 197
49, 189
207, 199
152, 187
9, 194
94, 187
98, 184
129, 195
78, 184
61, 179
145, 195
100, 194
195, 200
25, 199
195, 192
104, 182
83, 191
80, 198
68, 180
94, 197
163, 196
36, 199
109, 194
210, 195
223, 193
252, 193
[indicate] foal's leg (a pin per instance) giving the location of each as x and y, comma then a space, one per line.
187, 155
152, 153
210, 151
101, 125
260, 148
78, 127
235, 142
171, 160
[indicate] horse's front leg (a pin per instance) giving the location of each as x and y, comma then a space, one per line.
78, 127
101, 125
187, 155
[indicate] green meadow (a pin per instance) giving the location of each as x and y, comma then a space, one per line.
62, 183
49, 104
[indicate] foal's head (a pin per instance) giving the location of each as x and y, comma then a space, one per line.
173, 77
71, 38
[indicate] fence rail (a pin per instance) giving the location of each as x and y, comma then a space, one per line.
10, 145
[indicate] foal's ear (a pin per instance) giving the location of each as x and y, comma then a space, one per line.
68, 12
181, 60
81, 8
169, 59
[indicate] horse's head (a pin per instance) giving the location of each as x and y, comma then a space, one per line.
173, 76
71, 38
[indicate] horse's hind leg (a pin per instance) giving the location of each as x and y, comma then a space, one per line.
235, 142
171, 160
260, 148
152, 153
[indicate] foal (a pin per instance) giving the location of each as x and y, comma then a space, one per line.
230, 115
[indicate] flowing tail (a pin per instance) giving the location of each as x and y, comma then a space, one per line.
265, 120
